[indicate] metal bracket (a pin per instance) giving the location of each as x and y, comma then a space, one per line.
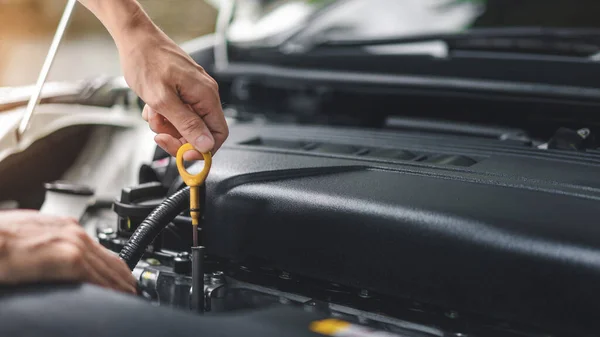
35, 97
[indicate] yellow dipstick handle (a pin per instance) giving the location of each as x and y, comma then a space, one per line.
194, 182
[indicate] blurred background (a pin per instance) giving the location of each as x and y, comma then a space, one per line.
27, 28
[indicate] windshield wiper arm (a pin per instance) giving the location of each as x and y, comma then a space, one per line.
563, 41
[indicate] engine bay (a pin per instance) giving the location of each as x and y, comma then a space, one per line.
409, 233
368, 187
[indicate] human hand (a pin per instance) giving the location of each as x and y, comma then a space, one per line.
41, 248
182, 100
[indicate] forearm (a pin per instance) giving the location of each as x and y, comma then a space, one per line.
122, 18
183, 103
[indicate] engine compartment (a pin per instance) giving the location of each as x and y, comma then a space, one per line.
361, 192
407, 232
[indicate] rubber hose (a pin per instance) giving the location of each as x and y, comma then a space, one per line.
154, 223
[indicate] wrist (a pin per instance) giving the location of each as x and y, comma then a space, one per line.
122, 18
133, 26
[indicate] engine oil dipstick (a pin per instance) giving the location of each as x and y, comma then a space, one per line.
194, 182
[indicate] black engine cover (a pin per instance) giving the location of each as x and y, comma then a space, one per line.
472, 224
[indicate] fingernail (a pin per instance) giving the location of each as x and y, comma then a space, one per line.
203, 144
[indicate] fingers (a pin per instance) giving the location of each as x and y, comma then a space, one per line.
168, 138
158, 123
215, 122
65, 254
168, 143
191, 111
93, 276
22, 222
105, 269
25, 218
43, 256
53, 221
80, 259
189, 124
111, 270
178, 89
115, 268
71, 264
172, 145
210, 109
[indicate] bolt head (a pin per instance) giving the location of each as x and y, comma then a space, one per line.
583, 133
217, 277
153, 262
364, 293
452, 314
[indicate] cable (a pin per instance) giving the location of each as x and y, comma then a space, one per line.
160, 217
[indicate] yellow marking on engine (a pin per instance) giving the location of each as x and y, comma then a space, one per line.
329, 327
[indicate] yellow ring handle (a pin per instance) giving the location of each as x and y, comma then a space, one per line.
189, 179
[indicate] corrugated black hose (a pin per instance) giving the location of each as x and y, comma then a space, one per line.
160, 217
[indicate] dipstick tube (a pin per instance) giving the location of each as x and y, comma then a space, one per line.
194, 182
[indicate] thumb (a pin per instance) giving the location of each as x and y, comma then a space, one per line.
189, 124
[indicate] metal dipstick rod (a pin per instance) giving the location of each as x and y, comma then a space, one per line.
35, 97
